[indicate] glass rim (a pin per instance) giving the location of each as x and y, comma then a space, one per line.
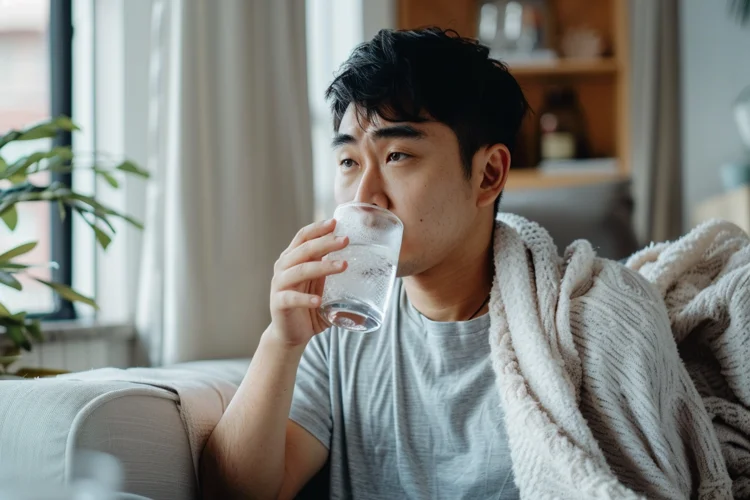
382, 211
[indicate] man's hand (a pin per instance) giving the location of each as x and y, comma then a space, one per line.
298, 280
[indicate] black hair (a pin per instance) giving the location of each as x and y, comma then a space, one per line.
413, 76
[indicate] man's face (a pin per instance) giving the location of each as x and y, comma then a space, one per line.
415, 171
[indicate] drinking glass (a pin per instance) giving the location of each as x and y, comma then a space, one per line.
357, 299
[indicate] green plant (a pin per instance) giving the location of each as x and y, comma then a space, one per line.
17, 187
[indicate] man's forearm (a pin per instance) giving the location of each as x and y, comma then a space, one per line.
245, 454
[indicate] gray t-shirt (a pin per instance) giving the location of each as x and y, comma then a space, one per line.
408, 411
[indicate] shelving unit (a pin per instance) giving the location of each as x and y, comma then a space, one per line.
567, 67
601, 84
534, 178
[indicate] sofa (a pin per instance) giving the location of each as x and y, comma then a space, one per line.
45, 422
600, 213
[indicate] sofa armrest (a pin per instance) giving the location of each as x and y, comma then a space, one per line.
44, 422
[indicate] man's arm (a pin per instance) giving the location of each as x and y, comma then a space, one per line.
255, 450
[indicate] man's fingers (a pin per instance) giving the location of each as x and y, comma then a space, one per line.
289, 299
312, 231
308, 271
312, 250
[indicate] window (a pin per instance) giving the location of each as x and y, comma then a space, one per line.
35, 48
333, 30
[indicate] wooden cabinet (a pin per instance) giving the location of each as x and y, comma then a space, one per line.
601, 84
460, 15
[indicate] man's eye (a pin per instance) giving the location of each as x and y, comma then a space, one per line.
397, 156
347, 163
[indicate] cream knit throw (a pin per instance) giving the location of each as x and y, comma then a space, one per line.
624, 381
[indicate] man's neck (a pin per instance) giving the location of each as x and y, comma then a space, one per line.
457, 288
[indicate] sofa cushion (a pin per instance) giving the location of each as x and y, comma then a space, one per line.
600, 213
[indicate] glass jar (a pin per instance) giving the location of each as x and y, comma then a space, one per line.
561, 126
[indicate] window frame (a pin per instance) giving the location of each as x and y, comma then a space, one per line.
61, 103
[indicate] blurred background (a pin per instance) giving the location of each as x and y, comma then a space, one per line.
636, 136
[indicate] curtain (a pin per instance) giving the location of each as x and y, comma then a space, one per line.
230, 153
655, 98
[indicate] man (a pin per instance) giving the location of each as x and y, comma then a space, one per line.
425, 122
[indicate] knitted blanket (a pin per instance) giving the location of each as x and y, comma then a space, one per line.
624, 381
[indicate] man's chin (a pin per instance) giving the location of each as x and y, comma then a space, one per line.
400, 271
405, 269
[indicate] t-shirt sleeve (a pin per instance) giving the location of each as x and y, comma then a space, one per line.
311, 401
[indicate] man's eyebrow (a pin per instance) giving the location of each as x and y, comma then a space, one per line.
394, 132
399, 132
342, 139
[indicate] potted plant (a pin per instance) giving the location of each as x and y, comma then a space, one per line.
16, 187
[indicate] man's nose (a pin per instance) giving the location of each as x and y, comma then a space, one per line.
370, 189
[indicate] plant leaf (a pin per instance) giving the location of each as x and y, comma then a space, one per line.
108, 177
68, 293
41, 131
7, 279
9, 137
10, 217
48, 129
17, 172
61, 209
12, 267
3, 165
19, 250
18, 178
19, 317
4, 312
83, 210
133, 222
132, 168
98, 207
34, 328
103, 238
15, 333
65, 123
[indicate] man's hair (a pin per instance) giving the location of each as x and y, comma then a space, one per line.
434, 74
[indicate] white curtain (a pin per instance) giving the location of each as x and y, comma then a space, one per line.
656, 126
232, 163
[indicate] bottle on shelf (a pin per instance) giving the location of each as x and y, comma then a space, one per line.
561, 127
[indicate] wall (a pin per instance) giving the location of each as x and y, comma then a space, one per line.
377, 15
715, 67
76, 346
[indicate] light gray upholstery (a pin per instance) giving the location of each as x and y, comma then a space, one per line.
43, 422
600, 213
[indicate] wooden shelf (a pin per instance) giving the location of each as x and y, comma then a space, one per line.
566, 67
533, 178
601, 84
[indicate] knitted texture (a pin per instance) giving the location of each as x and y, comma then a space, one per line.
624, 381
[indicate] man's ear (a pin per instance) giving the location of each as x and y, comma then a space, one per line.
494, 169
